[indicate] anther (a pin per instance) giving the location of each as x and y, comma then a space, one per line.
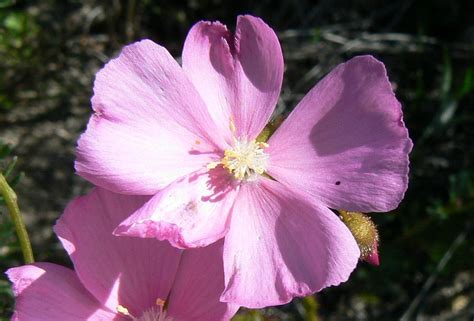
124, 311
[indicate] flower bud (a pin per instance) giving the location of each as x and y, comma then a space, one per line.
365, 233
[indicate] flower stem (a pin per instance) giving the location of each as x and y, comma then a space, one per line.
311, 307
10, 198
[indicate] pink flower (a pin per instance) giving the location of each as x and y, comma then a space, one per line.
187, 136
119, 278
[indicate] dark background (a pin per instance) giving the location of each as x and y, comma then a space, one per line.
50, 51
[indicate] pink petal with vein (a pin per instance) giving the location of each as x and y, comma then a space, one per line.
198, 285
345, 144
148, 116
192, 212
281, 245
116, 270
239, 75
49, 292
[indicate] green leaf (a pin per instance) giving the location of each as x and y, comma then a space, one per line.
467, 85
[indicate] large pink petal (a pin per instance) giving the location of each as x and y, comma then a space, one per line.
238, 76
346, 144
209, 64
192, 212
198, 286
49, 292
116, 270
150, 126
281, 245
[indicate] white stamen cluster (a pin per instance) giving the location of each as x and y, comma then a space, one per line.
246, 159
155, 313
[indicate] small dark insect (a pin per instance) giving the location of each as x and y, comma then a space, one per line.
338, 183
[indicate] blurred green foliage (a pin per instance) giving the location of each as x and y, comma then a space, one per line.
18, 32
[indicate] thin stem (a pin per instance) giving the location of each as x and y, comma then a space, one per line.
12, 204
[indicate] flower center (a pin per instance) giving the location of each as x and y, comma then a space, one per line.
245, 160
155, 313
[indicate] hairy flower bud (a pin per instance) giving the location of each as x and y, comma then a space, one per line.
365, 233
